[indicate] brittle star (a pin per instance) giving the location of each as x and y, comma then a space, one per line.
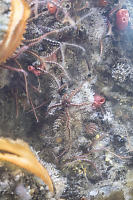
66, 104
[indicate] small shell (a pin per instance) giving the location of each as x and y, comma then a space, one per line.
13, 18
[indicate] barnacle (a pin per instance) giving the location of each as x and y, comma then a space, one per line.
19, 153
12, 26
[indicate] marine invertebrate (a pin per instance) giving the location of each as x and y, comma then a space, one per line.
33, 70
12, 32
19, 153
52, 8
103, 3
122, 18
66, 102
73, 100
98, 101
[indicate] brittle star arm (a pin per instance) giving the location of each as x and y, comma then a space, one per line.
74, 92
79, 105
54, 106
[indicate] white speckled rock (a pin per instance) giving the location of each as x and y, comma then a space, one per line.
4, 17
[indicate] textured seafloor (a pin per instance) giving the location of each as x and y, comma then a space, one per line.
87, 149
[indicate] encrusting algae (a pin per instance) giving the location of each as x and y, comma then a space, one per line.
19, 153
